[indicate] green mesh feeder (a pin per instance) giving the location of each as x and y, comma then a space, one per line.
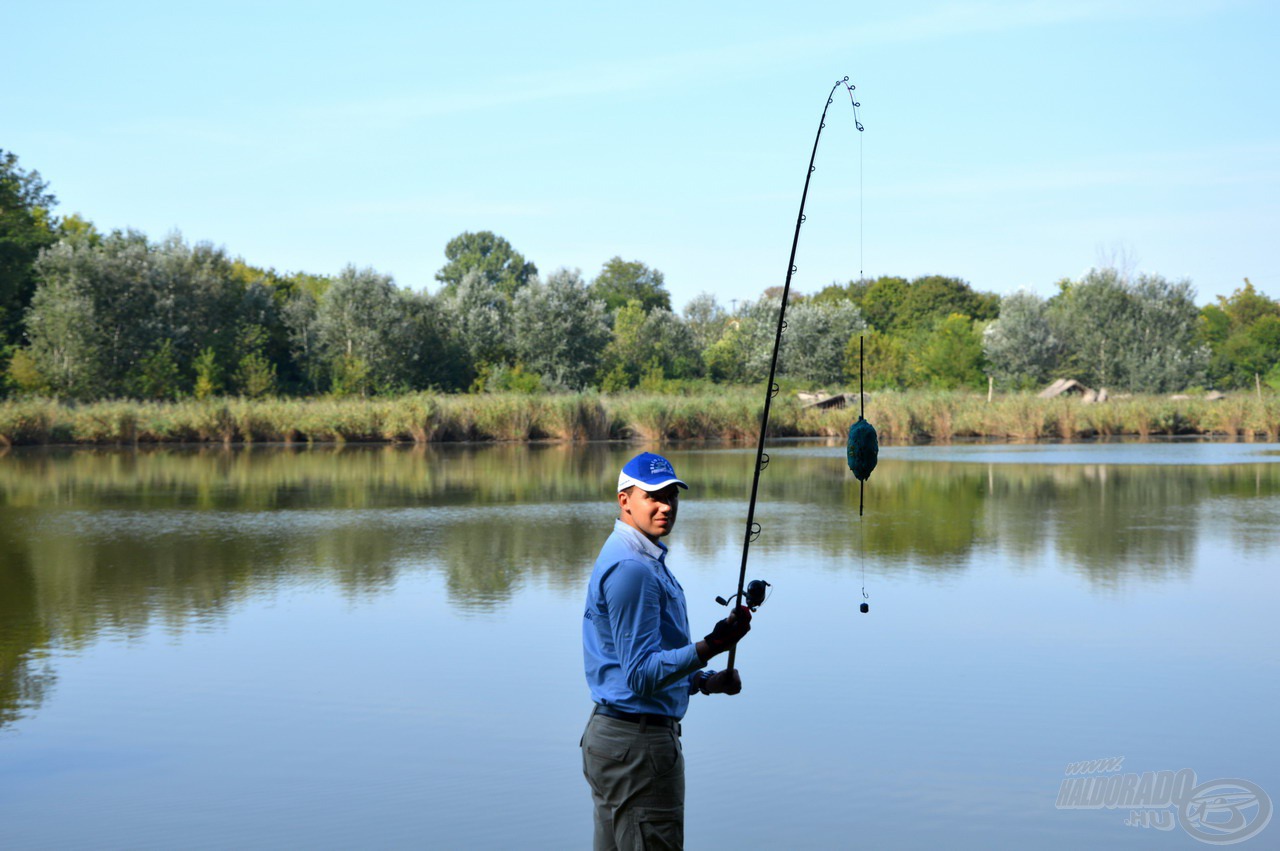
863, 449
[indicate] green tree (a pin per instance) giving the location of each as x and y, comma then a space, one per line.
854, 291
299, 315
481, 315
363, 333
24, 374
757, 331
193, 295
895, 305
1240, 332
349, 376
1090, 316
672, 345
950, 357
745, 348
488, 254
882, 302
1246, 306
1215, 326
103, 305
1020, 347
816, 339
560, 330
81, 324
77, 227
156, 375
508, 379
1142, 335
208, 381
623, 281
1272, 377
255, 376
653, 342
723, 358
1164, 352
67, 346
706, 320
933, 297
615, 379
265, 301
885, 361
27, 226
1253, 350
435, 354
628, 352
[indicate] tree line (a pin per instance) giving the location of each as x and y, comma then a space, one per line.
87, 315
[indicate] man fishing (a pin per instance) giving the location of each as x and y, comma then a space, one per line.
642, 665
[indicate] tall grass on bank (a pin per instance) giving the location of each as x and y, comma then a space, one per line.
940, 417
731, 414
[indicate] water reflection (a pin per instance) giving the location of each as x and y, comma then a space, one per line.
24, 677
103, 543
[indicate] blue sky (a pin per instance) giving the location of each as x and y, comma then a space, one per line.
1007, 143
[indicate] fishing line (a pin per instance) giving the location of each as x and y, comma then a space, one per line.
862, 554
752, 531
861, 218
863, 451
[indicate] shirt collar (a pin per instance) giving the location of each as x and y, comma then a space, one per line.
656, 549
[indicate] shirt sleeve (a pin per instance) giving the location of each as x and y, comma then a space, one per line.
633, 595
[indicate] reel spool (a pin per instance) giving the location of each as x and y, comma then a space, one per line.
757, 591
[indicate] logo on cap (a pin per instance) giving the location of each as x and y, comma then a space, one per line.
658, 465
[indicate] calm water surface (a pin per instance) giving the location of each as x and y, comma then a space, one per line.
380, 647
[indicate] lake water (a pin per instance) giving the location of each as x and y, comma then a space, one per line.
379, 647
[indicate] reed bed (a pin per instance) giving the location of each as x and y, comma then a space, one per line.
731, 414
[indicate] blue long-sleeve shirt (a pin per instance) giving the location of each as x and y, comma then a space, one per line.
635, 633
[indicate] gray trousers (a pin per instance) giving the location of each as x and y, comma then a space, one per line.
636, 774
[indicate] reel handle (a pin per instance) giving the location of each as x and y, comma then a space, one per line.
756, 593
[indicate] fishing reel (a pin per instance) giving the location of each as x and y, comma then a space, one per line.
753, 597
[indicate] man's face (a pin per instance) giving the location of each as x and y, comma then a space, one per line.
654, 514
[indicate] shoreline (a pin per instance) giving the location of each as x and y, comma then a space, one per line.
732, 416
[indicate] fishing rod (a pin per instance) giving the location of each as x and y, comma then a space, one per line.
754, 594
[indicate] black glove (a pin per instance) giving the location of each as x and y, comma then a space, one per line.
729, 631
722, 682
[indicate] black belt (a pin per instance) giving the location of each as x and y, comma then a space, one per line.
638, 717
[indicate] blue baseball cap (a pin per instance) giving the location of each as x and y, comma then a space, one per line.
648, 472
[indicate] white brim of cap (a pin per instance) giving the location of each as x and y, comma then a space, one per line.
625, 481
